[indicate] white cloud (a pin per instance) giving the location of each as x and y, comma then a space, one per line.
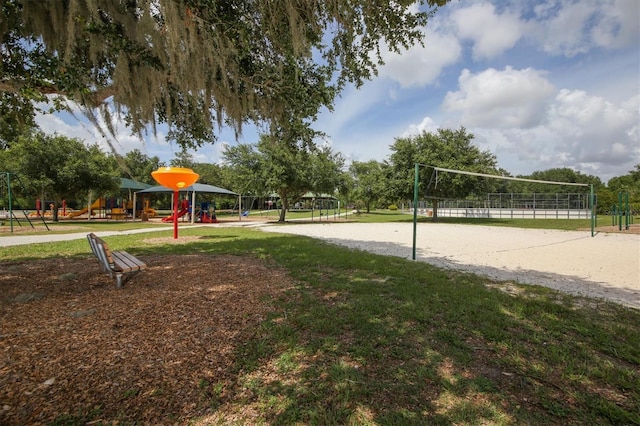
621, 26
594, 130
492, 34
211, 154
421, 65
74, 124
572, 28
426, 125
500, 99
582, 132
54, 124
527, 147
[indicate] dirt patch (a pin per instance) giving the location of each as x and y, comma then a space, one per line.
170, 240
161, 349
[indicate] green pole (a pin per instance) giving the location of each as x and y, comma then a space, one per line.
415, 209
593, 211
595, 207
627, 210
620, 211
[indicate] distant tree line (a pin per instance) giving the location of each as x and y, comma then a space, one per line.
57, 168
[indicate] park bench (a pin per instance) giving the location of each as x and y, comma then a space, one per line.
116, 263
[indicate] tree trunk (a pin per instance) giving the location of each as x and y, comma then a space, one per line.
435, 208
54, 213
284, 200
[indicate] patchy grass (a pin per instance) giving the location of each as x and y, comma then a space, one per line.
367, 339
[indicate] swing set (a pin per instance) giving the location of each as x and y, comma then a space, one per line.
7, 197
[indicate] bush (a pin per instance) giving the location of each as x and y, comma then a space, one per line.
393, 207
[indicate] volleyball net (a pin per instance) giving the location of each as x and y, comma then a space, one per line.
588, 201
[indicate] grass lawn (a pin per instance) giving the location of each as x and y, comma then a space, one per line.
365, 339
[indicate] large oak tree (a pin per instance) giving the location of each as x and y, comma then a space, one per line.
194, 63
369, 182
287, 168
446, 148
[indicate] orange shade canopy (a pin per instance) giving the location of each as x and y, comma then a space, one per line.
175, 178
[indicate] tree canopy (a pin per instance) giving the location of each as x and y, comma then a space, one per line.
139, 166
285, 168
563, 174
193, 63
452, 149
59, 168
629, 183
369, 182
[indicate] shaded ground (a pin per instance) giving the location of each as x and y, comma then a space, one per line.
161, 349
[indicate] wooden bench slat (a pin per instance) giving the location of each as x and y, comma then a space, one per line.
131, 259
126, 262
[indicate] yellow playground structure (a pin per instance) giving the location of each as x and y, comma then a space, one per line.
100, 203
150, 212
100, 206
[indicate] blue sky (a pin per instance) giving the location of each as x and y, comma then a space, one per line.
541, 84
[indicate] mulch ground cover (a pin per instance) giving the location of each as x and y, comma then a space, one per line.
159, 350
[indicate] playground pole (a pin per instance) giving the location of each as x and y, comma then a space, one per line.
175, 214
175, 178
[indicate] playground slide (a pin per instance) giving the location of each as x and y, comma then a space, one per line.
151, 212
180, 214
204, 217
98, 204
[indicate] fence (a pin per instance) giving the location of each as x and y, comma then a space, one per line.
512, 206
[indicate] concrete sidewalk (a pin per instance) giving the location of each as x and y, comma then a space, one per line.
16, 240
6, 241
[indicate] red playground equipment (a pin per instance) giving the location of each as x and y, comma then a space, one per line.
184, 209
204, 216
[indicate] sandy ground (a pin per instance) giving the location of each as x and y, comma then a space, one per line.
606, 266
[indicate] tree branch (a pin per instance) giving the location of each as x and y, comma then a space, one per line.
96, 97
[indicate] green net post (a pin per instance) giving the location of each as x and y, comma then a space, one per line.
592, 198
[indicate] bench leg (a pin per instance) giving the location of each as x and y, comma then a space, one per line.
118, 280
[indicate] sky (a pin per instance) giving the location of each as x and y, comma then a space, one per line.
540, 84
